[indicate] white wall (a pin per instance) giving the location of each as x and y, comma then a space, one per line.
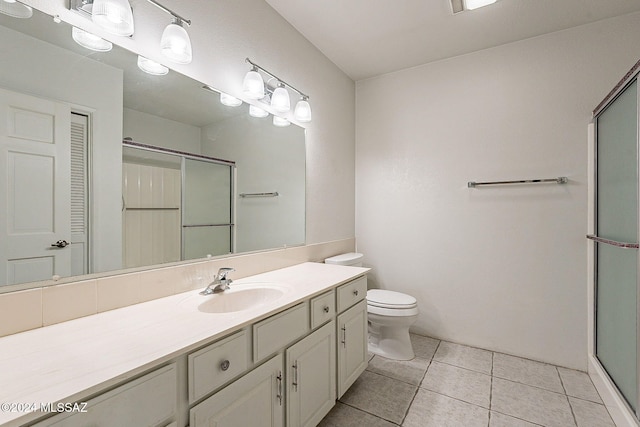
223, 34
268, 158
504, 267
153, 130
96, 89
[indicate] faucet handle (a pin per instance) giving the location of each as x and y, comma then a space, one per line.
222, 273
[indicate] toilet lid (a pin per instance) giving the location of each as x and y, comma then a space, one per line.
390, 299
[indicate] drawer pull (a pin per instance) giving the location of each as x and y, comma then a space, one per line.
355, 292
225, 365
326, 309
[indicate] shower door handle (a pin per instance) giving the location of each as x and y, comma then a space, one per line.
623, 245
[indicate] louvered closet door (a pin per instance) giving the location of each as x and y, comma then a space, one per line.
34, 188
79, 191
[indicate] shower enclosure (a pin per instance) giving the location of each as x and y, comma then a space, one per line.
615, 240
175, 206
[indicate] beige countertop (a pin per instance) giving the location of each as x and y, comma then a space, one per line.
71, 360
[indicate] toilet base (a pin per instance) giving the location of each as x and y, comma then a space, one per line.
390, 342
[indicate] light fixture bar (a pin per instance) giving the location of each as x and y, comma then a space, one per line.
170, 12
274, 76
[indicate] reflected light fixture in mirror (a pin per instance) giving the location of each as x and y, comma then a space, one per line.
175, 43
90, 41
114, 16
280, 122
302, 112
253, 85
15, 9
151, 67
229, 101
257, 112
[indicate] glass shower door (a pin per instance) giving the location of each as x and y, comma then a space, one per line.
616, 248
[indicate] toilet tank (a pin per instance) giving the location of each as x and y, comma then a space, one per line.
353, 259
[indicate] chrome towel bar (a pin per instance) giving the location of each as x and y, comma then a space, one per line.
624, 245
558, 180
272, 194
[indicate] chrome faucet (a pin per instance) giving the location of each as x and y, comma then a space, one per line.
220, 283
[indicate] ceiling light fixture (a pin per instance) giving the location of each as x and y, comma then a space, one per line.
15, 9
90, 41
151, 67
229, 101
278, 96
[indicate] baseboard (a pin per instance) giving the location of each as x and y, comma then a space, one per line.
620, 412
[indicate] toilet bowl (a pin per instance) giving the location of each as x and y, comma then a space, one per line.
390, 316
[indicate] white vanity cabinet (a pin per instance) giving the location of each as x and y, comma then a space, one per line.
311, 377
352, 345
255, 399
150, 400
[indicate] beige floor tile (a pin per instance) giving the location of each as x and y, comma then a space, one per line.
589, 414
435, 410
381, 396
464, 357
424, 347
578, 384
531, 404
500, 420
409, 371
458, 383
346, 416
527, 371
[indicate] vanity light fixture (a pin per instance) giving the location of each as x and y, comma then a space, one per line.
114, 16
278, 96
175, 42
90, 41
257, 112
15, 9
280, 122
229, 101
151, 67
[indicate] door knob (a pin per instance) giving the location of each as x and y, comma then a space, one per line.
60, 244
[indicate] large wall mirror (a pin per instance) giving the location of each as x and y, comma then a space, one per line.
106, 167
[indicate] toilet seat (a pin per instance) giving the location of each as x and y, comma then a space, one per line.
390, 303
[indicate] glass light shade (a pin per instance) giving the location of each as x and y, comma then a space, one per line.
229, 101
474, 4
302, 113
176, 44
90, 41
280, 100
151, 67
257, 112
115, 16
280, 121
253, 85
15, 10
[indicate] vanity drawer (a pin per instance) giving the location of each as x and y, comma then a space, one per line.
274, 333
217, 364
323, 307
352, 292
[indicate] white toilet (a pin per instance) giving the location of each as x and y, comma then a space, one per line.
390, 316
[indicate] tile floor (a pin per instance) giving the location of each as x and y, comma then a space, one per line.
454, 385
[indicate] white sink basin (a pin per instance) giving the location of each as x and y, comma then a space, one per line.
239, 297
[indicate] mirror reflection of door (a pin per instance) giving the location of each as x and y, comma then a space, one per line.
44, 185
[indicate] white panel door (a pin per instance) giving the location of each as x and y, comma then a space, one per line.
34, 188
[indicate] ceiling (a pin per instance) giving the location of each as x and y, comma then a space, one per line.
366, 38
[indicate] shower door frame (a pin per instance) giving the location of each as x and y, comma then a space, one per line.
628, 80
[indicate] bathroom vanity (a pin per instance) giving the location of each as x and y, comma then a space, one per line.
193, 360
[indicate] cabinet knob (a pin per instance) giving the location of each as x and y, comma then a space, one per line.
326, 309
355, 292
225, 365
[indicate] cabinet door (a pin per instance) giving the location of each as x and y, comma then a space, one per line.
255, 400
311, 377
352, 348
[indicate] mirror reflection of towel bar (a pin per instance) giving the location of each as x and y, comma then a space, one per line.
558, 180
272, 194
